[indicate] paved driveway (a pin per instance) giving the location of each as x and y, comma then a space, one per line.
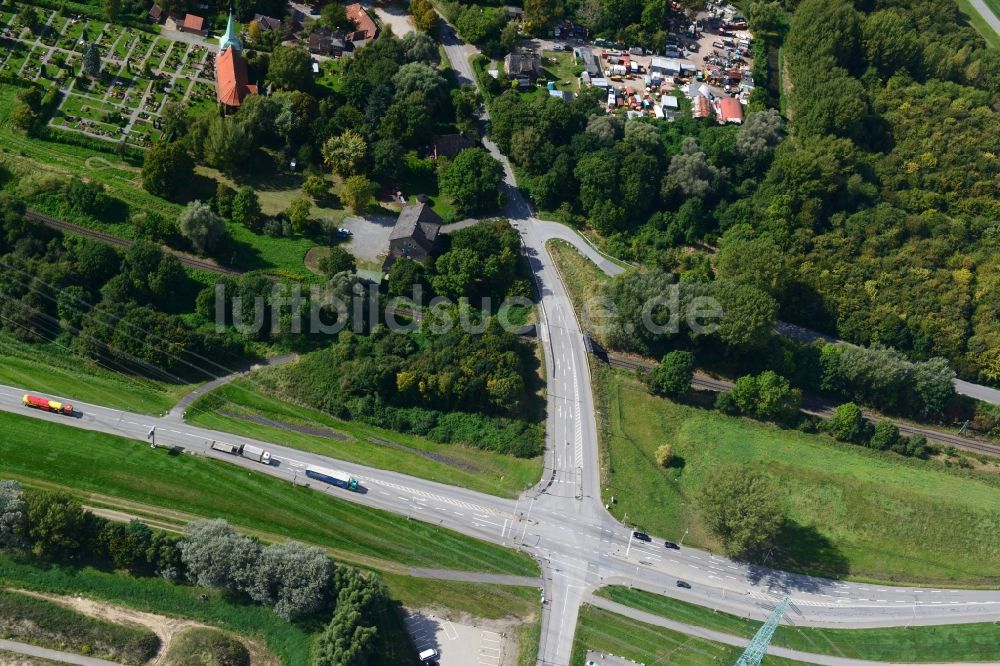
369, 240
395, 16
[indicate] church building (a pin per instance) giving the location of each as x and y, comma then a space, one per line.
231, 86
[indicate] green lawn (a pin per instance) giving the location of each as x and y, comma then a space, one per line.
853, 512
561, 67
51, 369
485, 471
944, 643
87, 462
603, 631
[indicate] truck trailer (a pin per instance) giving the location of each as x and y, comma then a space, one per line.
256, 454
47, 405
225, 447
332, 476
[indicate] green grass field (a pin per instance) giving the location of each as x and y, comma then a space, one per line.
854, 512
488, 472
85, 462
943, 643
53, 370
603, 631
28, 619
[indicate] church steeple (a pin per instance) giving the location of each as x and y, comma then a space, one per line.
229, 39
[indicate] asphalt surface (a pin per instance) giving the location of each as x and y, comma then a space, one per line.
53, 655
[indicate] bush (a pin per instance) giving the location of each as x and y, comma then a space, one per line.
847, 423
206, 647
664, 455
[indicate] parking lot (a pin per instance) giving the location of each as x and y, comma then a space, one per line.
458, 644
369, 240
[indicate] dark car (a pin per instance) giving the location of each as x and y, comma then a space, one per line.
685, 585
641, 536
671, 545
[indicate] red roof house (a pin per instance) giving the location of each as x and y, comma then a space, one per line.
730, 111
231, 85
365, 27
194, 24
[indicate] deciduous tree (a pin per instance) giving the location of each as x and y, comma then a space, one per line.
202, 227
167, 169
672, 376
743, 508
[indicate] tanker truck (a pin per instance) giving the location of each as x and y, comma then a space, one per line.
47, 405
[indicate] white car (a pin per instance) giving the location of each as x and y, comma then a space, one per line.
429, 656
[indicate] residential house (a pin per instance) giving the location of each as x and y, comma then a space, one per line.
328, 43
195, 25
415, 234
450, 145
267, 23
522, 64
364, 27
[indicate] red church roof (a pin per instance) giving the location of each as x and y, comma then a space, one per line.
231, 78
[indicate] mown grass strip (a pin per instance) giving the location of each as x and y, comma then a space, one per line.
113, 466
454, 464
603, 631
941, 643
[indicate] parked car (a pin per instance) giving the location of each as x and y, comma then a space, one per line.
671, 545
428, 657
684, 584
641, 536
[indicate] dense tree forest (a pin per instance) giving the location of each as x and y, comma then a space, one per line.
869, 213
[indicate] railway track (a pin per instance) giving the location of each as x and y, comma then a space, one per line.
705, 383
109, 239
